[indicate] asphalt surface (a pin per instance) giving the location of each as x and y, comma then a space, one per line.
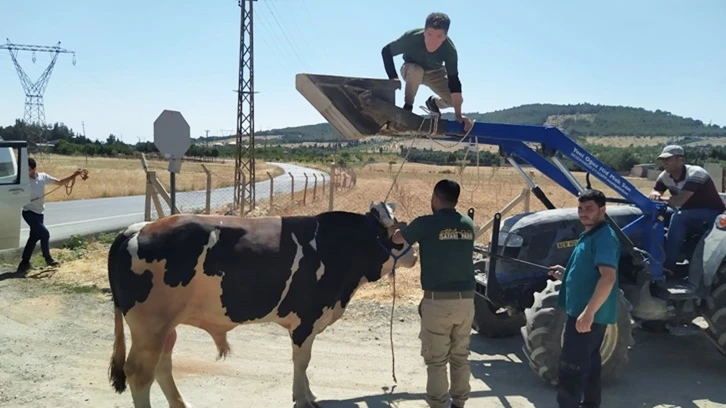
66, 218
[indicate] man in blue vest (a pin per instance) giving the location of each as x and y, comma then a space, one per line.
589, 295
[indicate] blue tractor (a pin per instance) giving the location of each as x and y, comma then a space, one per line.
515, 294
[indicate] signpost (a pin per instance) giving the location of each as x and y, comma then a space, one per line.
172, 137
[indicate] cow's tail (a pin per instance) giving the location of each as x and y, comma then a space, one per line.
116, 374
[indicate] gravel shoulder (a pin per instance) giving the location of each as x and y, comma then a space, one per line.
55, 345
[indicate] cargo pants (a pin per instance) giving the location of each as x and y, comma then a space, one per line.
414, 76
446, 319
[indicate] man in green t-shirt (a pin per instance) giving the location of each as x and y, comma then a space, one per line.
430, 58
446, 245
589, 295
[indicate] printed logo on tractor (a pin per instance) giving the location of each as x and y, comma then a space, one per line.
566, 244
454, 234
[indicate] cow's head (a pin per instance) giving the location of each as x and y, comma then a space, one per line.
387, 224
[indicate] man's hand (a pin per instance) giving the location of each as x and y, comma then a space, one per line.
654, 195
584, 321
556, 271
467, 122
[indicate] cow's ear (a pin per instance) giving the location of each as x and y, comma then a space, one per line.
372, 205
393, 206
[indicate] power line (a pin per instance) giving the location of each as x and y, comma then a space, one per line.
34, 91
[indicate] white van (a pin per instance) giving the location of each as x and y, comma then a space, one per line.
8, 165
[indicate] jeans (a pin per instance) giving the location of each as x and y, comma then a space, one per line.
579, 371
682, 222
38, 232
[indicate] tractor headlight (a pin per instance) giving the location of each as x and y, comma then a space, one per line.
510, 240
721, 222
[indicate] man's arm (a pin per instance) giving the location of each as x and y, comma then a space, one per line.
452, 73
409, 234
63, 181
694, 182
659, 188
392, 49
602, 289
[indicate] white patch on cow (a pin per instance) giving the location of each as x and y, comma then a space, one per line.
213, 239
293, 269
133, 229
321, 271
314, 242
385, 212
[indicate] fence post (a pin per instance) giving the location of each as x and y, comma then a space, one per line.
292, 187
149, 189
322, 189
305, 191
272, 188
208, 202
315, 185
331, 187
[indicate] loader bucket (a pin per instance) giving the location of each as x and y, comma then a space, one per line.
359, 107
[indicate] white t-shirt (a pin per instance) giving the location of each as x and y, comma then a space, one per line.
37, 192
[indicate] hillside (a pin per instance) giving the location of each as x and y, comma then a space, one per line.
580, 120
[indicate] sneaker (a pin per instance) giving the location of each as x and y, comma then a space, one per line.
431, 105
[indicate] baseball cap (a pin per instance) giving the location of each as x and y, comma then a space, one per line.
671, 150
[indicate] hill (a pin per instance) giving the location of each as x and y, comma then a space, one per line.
577, 121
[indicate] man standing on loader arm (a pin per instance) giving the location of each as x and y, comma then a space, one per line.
589, 294
424, 50
693, 198
446, 242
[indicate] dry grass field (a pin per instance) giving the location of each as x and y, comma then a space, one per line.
114, 177
487, 193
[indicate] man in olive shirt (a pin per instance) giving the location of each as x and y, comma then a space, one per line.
430, 58
446, 244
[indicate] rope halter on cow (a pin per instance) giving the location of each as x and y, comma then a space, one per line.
388, 246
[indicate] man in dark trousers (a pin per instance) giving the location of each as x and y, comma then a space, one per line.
430, 58
589, 294
33, 214
446, 245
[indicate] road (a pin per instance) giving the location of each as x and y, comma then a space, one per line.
66, 218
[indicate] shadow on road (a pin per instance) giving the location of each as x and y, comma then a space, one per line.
43, 273
384, 400
664, 370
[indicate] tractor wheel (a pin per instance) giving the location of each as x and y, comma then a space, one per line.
494, 323
545, 327
713, 310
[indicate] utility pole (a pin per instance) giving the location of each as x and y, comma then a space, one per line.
245, 154
34, 91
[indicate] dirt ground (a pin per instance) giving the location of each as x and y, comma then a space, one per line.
55, 345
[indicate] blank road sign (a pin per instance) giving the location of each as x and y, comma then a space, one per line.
171, 134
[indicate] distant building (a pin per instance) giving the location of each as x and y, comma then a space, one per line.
641, 170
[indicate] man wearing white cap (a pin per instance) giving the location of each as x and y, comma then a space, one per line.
693, 196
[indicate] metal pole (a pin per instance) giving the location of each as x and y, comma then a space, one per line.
173, 191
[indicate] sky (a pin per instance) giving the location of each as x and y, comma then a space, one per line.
136, 58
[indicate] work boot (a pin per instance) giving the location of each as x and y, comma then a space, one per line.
433, 107
51, 262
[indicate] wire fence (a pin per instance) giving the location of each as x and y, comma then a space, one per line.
280, 189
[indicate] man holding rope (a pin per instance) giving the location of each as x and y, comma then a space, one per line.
33, 214
446, 241
589, 295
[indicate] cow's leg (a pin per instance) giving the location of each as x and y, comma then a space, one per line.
143, 358
164, 376
301, 394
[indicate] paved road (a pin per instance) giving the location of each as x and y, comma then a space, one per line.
65, 218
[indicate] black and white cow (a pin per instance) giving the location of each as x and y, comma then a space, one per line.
218, 272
